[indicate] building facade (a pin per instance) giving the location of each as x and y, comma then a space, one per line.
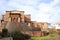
18, 17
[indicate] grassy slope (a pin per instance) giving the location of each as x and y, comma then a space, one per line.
44, 37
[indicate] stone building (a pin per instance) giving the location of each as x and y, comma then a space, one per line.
16, 20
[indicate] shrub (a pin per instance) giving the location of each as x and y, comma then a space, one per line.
4, 32
19, 36
26, 36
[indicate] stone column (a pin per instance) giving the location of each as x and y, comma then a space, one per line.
18, 19
10, 19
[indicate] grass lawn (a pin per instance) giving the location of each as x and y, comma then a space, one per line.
44, 37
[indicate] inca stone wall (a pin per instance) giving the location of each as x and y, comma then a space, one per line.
18, 17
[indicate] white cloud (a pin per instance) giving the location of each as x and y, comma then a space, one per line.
44, 7
49, 12
45, 12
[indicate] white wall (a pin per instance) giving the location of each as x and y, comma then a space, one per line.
57, 26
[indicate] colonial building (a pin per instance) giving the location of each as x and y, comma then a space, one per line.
16, 20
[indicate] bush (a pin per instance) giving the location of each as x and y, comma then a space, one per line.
58, 31
19, 36
26, 36
4, 32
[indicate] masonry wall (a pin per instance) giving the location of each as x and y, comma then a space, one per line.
18, 16
6, 16
22, 16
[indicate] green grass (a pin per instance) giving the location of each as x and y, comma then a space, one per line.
44, 37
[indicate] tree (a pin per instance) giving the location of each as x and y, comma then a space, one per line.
19, 36
4, 32
26, 36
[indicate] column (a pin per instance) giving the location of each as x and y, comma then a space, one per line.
18, 19
10, 19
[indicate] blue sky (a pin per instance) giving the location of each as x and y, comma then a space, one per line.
40, 10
